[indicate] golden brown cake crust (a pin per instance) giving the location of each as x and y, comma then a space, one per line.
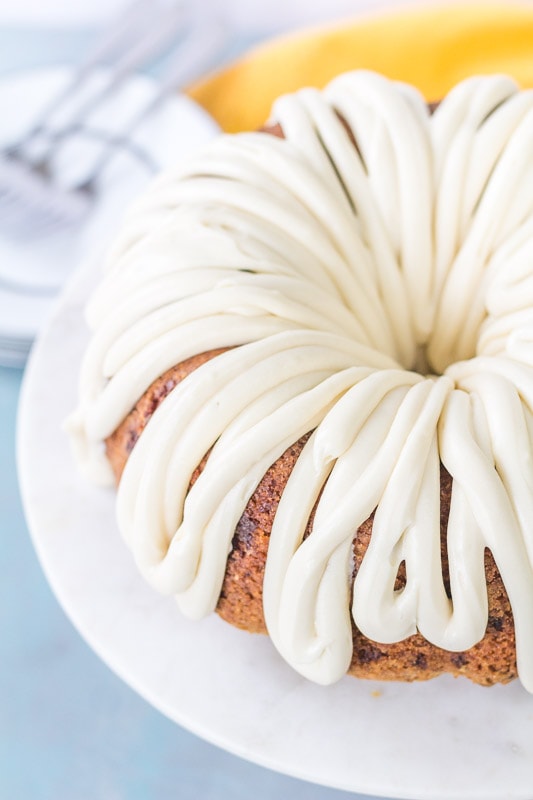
490, 661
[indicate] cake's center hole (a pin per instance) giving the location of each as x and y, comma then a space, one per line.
421, 363
426, 366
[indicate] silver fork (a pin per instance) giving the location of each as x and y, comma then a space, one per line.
191, 59
31, 199
113, 40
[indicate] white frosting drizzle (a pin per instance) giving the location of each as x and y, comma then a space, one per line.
339, 270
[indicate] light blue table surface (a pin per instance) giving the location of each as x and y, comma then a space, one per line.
69, 728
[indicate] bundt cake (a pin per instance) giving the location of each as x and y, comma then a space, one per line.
311, 376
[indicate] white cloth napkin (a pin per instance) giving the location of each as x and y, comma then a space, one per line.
33, 270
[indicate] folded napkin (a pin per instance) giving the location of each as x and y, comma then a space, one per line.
431, 48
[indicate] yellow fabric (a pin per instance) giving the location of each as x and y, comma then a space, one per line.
431, 48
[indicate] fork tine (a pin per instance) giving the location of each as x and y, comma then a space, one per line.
31, 204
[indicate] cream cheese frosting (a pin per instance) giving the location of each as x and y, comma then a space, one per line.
378, 294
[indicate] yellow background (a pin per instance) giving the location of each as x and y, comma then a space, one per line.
432, 48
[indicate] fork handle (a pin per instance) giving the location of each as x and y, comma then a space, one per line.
190, 60
122, 36
117, 36
142, 52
